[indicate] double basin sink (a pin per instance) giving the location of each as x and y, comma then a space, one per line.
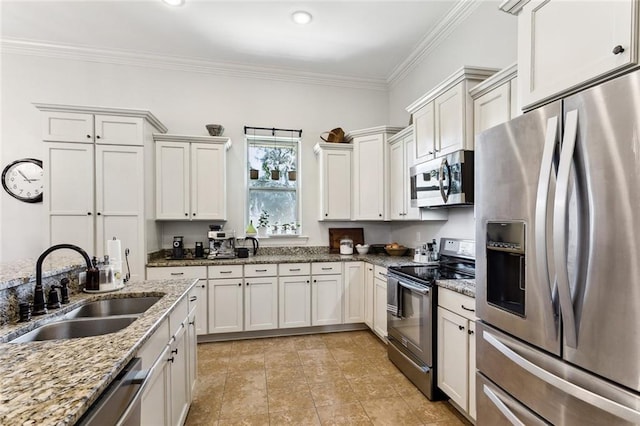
92, 319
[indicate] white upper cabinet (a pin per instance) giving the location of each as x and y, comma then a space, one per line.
495, 100
335, 163
402, 156
97, 181
565, 45
191, 177
371, 172
443, 118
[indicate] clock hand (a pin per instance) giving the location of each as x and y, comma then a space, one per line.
25, 178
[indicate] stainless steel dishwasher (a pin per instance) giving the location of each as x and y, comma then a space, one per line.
119, 404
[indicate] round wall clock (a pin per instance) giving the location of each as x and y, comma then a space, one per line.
22, 179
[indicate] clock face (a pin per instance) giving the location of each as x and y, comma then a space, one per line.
23, 179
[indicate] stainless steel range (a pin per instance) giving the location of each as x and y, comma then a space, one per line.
411, 311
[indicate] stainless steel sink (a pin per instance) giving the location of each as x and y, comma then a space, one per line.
111, 307
74, 328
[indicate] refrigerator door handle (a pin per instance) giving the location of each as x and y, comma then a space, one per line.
508, 414
560, 228
542, 196
563, 385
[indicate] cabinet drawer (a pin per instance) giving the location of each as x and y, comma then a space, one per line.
324, 268
153, 347
291, 269
460, 304
178, 316
225, 271
262, 270
171, 272
380, 272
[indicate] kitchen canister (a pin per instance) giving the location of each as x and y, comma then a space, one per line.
346, 245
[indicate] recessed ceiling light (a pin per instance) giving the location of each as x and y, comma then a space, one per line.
301, 17
174, 2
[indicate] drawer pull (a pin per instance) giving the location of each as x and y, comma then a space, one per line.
261, 270
461, 327
177, 273
226, 272
327, 269
467, 309
384, 275
294, 269
193, 298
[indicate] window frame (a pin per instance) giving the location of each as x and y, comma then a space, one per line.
297, 141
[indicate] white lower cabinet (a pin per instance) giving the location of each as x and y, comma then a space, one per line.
354, 292
179, 377
380, 302
369, 284
326, 293
456, 349
154, 404
260, 303
295, 301
225, 305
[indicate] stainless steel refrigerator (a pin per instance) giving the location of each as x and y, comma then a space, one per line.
558, 262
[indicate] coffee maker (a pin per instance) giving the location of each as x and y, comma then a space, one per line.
178, 248
222, 244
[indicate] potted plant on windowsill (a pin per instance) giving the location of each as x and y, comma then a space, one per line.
263, 223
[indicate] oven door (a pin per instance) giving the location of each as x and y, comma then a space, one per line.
412, 327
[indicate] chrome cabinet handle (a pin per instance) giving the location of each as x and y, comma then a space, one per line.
561, 203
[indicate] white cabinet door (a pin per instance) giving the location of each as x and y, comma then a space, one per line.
192, 343
453, 355
120, 202
225, 305
411, 213
425, 132
450, 120
201, 308
261, 303
353, 292
69, 194
172, 180
67, 127
294, 293
369, 285
180, 381
326, 299
336, 185
117, 130
380, 311
397, 183
369, 170
562, 44
471, 332
208, 181
492, 108
156, 399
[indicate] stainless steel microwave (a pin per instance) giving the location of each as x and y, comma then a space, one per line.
446, 181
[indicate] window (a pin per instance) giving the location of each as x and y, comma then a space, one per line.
273, 189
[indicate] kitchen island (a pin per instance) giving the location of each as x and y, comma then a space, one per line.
55, 382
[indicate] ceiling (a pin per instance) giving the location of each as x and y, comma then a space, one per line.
353, 39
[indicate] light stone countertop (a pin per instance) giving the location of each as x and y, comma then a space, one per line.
54, 382
376, 259
466, 287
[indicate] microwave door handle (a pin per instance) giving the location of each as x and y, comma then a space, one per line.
443, 194
540, 234
560, 228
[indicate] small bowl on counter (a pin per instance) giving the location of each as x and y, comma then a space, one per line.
400, 251
362, 249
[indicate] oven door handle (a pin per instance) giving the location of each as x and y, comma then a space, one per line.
412, 287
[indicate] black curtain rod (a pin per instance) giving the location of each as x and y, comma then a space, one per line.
273, 130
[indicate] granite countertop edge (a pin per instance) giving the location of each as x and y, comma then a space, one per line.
55, 382
464, 286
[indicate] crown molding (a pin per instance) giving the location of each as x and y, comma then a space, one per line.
498, 79
332, 146
166, 137
388, 130
147, 60
456, 15
513, 7
401, 134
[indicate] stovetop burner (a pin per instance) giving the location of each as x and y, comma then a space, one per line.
427, 275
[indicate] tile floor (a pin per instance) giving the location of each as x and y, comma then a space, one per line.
323, 379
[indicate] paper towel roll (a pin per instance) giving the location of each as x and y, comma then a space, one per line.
114, 250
